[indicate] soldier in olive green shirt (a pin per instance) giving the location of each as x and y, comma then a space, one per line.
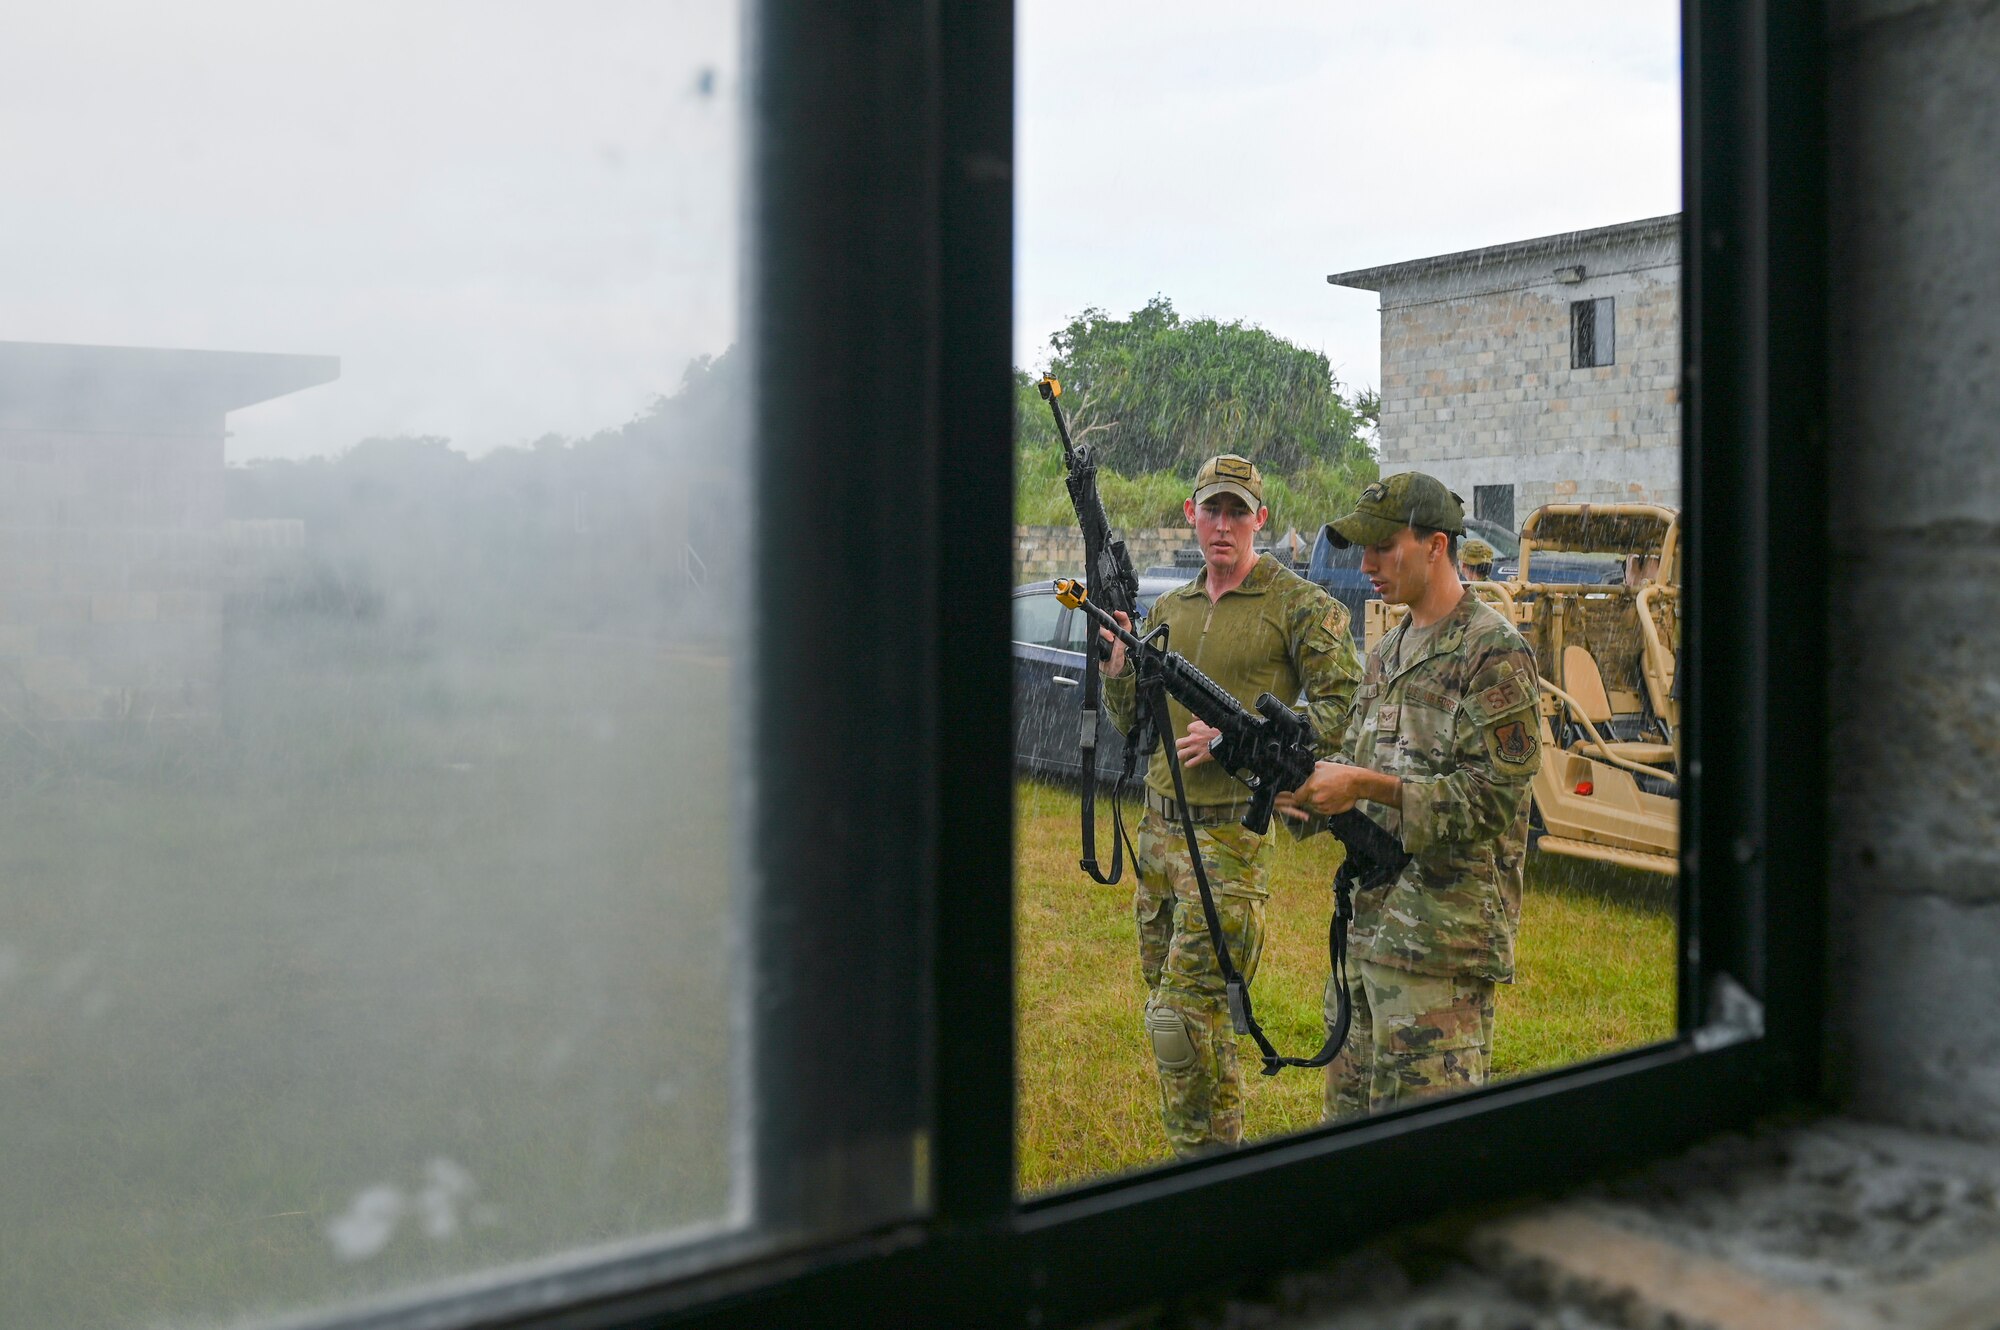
1254, 627
1440, 750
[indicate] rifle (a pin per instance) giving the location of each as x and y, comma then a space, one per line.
1108, 567
1271, 749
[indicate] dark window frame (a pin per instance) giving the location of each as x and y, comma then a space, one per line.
1593, 338
1483, 510
881, 310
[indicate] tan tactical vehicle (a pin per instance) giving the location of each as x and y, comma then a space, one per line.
1607, 651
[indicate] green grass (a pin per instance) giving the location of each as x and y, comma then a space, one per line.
1595, 974
404, 903
414, 899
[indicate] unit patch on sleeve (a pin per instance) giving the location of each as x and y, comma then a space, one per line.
1514, 743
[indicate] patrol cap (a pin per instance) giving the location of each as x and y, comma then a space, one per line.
1230, 474
1408, 498
1475, 552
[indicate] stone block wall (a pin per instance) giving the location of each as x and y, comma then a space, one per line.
1044, 552
1914, 572
1477, 386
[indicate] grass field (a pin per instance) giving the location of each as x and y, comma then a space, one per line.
410, 968
1595, 974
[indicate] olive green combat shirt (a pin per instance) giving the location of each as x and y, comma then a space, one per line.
1454, 716
1276, 633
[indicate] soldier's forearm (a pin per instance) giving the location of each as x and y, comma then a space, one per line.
1380, 787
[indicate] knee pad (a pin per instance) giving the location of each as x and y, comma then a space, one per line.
1172, 1047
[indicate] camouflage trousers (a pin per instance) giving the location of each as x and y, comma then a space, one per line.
1414, 1036
1186, 1021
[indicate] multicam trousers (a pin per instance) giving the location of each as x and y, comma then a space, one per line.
1187, 1011
1414, 1036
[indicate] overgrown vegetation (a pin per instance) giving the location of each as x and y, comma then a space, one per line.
1155, 395
1595, 975
578, 533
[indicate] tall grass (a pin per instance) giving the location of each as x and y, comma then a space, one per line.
1596, 974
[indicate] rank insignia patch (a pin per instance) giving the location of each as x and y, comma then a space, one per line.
1513, 743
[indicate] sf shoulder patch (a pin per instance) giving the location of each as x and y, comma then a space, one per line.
1514, 743
1503, 697
1335, 621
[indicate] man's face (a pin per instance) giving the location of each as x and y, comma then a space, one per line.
1226, 529
1401, 567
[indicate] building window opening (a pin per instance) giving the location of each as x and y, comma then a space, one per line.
1495, 504
1593, 333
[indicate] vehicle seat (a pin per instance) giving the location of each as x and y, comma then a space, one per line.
1583, 681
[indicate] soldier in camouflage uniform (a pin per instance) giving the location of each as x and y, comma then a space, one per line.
1253, 626
1440, 747
1476, 559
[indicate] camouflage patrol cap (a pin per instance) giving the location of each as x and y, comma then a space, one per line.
1409, 498
1475, 552
1230, 474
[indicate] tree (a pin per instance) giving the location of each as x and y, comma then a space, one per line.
1155, 392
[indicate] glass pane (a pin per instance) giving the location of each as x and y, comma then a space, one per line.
1035, 619
1503, 318
372, 541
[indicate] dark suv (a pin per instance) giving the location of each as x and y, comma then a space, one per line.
1339, 571
1049, 639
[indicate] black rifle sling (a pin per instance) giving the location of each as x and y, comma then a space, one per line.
1093, 691
1241, 1014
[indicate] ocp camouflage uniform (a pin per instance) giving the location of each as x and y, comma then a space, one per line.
1276, 633
1456, 721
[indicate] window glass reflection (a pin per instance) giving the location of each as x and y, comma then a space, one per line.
371, 540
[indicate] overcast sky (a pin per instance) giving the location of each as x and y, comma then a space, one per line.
506, 218
1230, 157
511, 218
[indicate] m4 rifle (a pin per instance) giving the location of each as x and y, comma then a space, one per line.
1271, 749
1108, 567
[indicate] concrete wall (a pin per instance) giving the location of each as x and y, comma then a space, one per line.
1043, 552
1915, 476
110, 601
1477, 386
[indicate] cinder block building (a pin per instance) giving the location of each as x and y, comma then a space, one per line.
1536, 372
111, 523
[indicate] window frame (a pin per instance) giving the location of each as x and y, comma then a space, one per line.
1603, 332
883, 238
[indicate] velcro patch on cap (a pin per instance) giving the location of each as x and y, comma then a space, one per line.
1375, 493
1234, 468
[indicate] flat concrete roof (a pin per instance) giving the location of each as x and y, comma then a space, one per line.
57, 385
1374, 279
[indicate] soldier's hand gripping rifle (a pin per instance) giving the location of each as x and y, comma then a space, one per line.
1107, 566
1271, 749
